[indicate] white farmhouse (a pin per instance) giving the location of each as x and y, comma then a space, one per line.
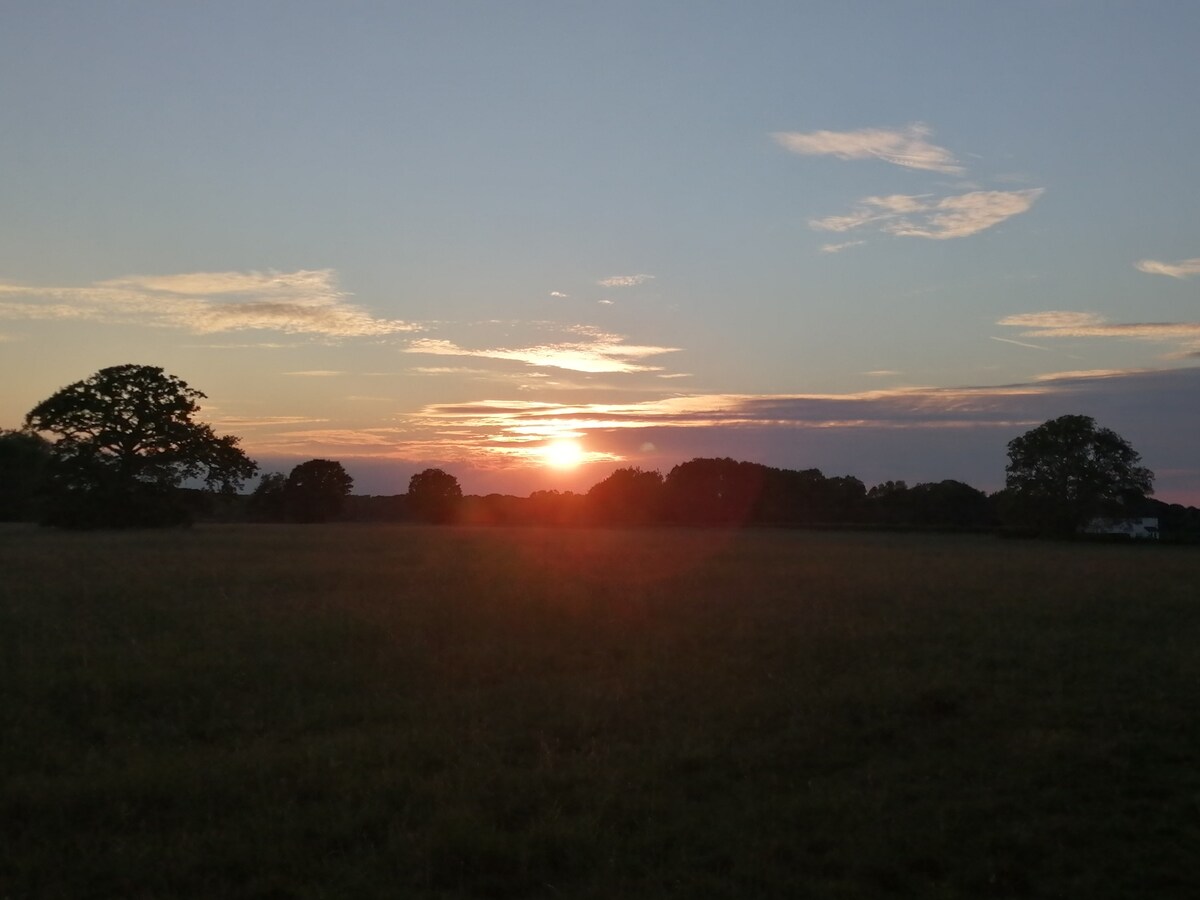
1145, 528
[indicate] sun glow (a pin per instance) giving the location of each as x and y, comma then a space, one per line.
563, 454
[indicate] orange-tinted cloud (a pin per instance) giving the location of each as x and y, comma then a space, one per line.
301, 302
1067, 324
624, 280
1185, 268
914, 433
591, 351
956, 216
1052, 320
514, 429
838, 248
907, 147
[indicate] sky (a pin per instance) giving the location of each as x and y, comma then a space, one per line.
533, 242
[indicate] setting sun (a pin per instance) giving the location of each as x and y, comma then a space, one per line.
563, 454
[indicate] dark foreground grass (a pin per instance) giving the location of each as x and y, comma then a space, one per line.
320, 712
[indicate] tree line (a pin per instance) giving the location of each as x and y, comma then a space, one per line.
124, 443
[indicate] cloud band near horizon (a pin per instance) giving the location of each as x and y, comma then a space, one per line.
498, 434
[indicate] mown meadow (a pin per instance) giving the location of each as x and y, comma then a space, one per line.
399, 711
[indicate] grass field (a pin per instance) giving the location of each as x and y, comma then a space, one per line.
390, 711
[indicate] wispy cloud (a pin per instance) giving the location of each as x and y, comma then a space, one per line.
448, 370
596, 352
243, 422
522, 378
907, 215
618, 281
386, 442
908, 147
559, 295
316, 373
256, 345
1067, 324
965, 214
1020, 343
838, 248
956, 216
1076, 374
1052, 319
1185, 268
301, 302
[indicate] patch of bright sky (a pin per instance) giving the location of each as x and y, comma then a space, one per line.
778, 199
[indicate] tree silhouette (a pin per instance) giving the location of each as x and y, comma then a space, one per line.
948, 504
1069, 470
315, 491
889, 503
940, 505
434, 496
127, 437
790, 497
267, 501
24, 458
626, 497
713, 491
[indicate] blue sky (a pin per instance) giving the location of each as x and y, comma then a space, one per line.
880, 239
